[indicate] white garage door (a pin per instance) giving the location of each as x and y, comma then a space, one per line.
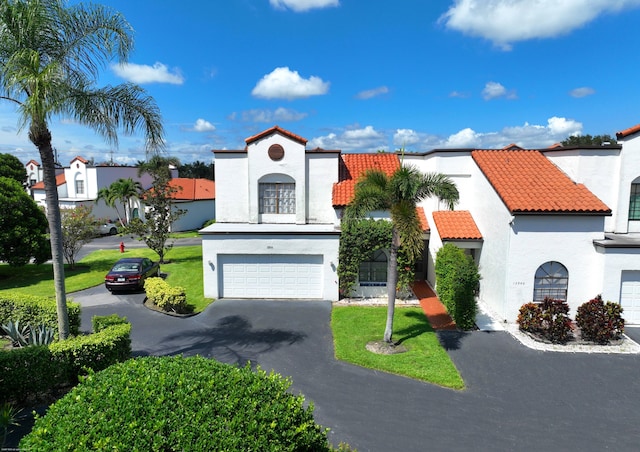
630, 296
271, 276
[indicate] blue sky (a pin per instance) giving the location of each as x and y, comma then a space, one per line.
365, 75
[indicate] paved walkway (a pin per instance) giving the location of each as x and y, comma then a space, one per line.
433, 308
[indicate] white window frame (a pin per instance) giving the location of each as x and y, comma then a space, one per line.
277, 198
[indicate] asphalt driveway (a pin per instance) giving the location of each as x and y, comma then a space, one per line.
516, 398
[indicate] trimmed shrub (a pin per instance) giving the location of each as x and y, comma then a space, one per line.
101, 322
28, 372
457, 280
548, 319
530, 318
166, 297
176, 403
600, 322
95, 351
35, 310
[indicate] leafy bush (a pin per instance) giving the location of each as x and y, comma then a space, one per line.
548, 319
34, 310
166, 297
100, 322
208, 223
28, 372
457, 280
530, 318
600, 322
176, 403
95, 351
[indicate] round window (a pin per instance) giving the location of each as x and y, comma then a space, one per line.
276, 152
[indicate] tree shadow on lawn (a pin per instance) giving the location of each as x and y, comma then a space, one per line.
232, 340
419, 325
31, 274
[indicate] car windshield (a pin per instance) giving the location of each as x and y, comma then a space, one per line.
126, 267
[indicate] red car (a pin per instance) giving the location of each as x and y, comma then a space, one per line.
130, 273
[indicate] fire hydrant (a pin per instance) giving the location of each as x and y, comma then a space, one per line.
122, 247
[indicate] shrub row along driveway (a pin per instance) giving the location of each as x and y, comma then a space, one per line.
516, 398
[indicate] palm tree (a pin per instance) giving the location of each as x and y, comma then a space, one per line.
50, 57
399, 194
124, 190
107, 194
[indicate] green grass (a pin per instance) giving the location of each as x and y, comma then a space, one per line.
184, 269
426, 360
184, 235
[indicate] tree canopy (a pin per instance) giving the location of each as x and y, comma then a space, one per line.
588, 140
23, 226
12, 167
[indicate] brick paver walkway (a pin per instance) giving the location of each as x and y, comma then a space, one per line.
433, 307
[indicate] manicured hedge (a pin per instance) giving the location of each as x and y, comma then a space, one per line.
176, 403
167, 297
28, 372
457, 280
35, 310
100, 322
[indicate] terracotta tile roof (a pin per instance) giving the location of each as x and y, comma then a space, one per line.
456, 225
527, 182
424, 224
82, 159
32, 162
352, 166
193, 189
627, 132
60, 180
274, 129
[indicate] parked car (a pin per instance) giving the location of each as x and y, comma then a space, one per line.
130, 273
108, 228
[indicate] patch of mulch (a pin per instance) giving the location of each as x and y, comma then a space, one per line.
575, 338
385, 348
154, 307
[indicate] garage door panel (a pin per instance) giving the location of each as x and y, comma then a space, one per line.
271, 276
630, 296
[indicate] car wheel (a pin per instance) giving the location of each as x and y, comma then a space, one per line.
113, 231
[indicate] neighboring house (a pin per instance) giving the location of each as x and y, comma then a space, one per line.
559, 222
79, 184
197, 197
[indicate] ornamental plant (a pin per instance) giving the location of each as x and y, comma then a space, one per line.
177, 403
530, 318
549, 320
600, 322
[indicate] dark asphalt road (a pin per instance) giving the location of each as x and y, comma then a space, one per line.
516, 398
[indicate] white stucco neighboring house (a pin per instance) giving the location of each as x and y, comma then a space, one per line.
197, 198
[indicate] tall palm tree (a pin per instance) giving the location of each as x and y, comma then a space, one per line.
399, 194
50, 58
107, 194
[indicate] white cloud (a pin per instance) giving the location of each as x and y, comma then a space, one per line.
202, 125
494, 90
505, 22
365, 139
459, 94
405, 137
280, 114
368, 94
283, 83
142, 73
303, 5
582, 92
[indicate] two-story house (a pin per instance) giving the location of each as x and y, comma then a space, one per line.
558, 222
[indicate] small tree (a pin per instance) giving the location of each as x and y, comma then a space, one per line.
78, 228
23, 226
160, 212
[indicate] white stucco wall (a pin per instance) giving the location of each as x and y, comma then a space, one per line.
197, 213
219, 239
321, 174
615, 261
536, 239
599, 170
232, 188
629, 171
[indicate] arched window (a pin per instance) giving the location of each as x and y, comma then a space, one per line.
552, 280
277, 194
374, 271
634, 201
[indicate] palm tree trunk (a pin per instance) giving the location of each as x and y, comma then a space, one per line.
41, 137
392, 282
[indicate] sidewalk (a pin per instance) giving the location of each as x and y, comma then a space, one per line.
433, 307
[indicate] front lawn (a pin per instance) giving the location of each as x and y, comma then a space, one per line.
184, 269
426, 360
